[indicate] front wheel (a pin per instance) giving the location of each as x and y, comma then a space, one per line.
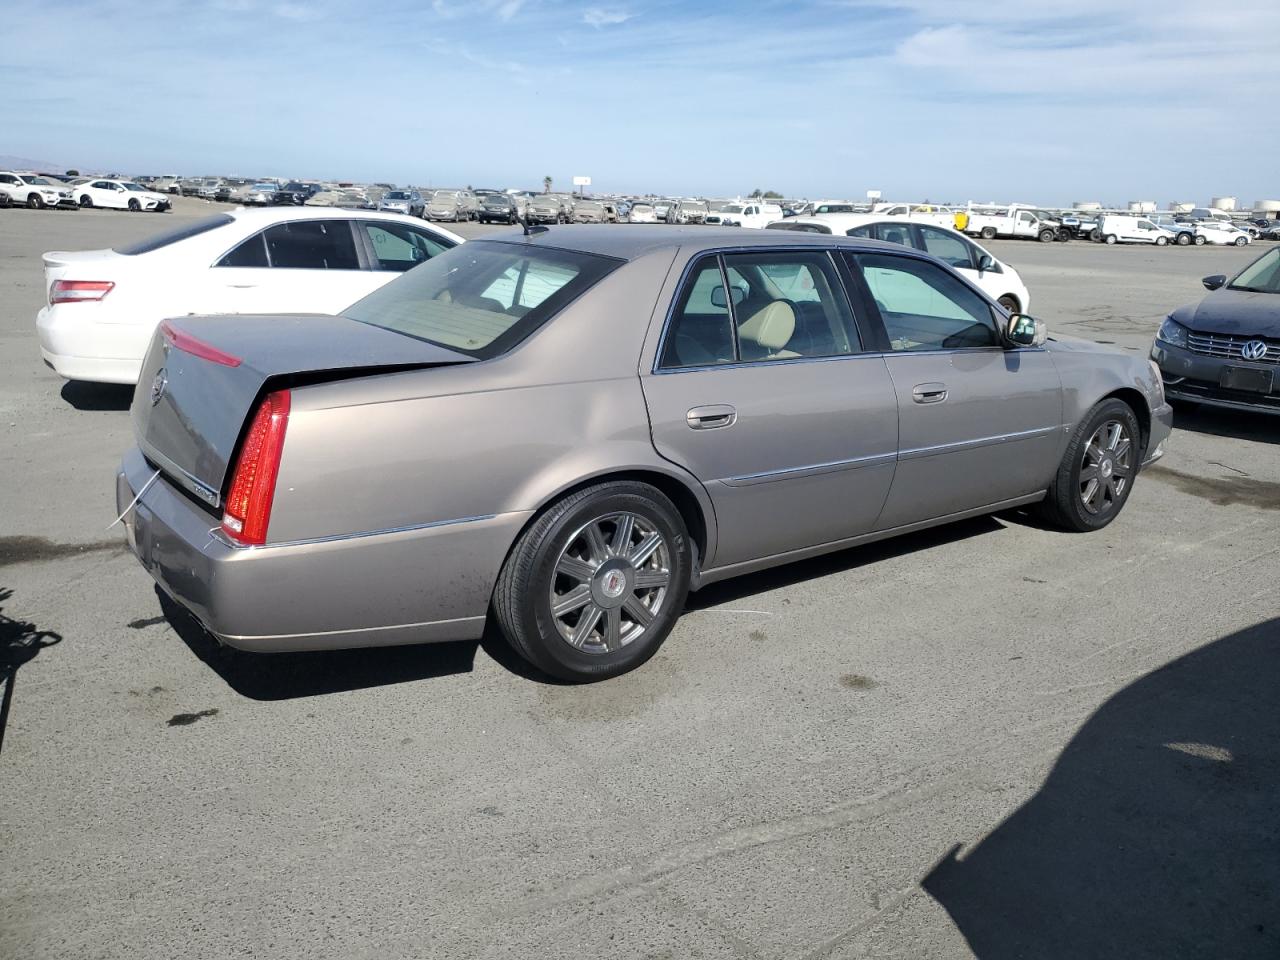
1111, 238
1009, 302
988, 233
35, 202
1046, 236
1241, 241
1184, 239
1162, 241
1199, 240
134, 206
594, 586
1097, 471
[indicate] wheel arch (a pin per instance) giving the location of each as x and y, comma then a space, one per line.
1137, 402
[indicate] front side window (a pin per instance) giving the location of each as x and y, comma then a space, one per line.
482, 298
924, 307
947, 247
1261, 276
312, 245
401, 247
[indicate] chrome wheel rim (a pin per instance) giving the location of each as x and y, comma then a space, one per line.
1106, 468
610, 582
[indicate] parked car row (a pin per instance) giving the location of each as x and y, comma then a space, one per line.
40, 191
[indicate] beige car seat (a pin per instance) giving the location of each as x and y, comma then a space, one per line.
765, 334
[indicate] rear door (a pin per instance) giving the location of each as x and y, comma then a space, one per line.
978, 424
300, 266
762, 390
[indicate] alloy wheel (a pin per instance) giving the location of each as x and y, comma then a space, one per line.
1106, 467
611, 580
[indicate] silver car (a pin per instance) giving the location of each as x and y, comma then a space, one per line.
565, 431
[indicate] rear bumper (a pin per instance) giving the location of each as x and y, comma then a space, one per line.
1196, 378
420, 585
80, 347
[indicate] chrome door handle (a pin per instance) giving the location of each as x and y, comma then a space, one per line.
710, 417
929, 392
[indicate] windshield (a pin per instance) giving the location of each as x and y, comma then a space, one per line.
396, 195
264, 186
38, 181
445, 196
1261, 276
733, 208
483, 297
183, 232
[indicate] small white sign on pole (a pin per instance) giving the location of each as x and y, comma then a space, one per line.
873, 194
582, 181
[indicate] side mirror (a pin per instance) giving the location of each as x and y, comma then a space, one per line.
1025, 331
718, 297
1214, 282
985, 263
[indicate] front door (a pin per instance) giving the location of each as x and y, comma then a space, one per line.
762, 391
978, 424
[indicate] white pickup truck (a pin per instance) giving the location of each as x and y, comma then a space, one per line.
924, 212
1026, 223
749, 213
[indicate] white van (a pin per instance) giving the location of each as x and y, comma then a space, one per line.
1120, 229
748, 213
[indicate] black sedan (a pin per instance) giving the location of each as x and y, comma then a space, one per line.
497, 208
1225, 350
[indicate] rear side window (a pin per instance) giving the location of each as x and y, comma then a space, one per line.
312, 245
184, 232
701, 331
483, 297
947, 247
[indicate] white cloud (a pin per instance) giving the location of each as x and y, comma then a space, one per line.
600, 17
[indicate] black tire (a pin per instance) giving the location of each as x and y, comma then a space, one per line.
1162, 241
1095, 235
1010, 303
1184, 239
5, 200
86, 201
134, 206
1200, 241
987, 233
1064, 504
35, 202
522, 596
1110, 238
1046, 236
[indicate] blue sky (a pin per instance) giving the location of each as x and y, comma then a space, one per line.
1024, 100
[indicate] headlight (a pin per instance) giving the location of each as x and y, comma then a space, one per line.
1172, 333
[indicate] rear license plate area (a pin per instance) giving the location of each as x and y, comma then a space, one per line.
1247, 378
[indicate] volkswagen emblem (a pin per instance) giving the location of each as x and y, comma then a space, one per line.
157, 386
1254, 350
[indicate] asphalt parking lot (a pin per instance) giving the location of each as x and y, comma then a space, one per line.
992, 739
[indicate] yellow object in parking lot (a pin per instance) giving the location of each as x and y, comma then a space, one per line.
962, 220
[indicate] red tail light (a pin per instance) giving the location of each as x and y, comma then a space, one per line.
78, 291
247, 511
197, 347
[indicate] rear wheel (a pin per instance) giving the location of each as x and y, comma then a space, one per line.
594, 586
1097, 471
988, 233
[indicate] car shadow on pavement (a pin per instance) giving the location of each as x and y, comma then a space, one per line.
287, 676
1242, 425
775, 578
20, 643
1157, 834
97, 396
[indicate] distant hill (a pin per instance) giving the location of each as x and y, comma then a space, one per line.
26, 163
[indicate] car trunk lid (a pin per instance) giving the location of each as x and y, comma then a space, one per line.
203, 376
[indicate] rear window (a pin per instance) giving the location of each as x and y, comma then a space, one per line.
184, 232
799, 227
483, 297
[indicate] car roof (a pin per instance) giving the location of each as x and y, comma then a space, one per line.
266, 215
631, 243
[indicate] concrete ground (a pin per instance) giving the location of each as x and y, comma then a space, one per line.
991, 739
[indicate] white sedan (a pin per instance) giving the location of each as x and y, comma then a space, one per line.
996, 279
104, 305
120, 195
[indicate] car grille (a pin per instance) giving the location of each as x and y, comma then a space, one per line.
1227, 347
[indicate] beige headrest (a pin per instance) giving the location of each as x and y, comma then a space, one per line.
771, 327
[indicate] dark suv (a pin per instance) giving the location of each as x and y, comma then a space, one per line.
295, 193
1225, 350
497, 208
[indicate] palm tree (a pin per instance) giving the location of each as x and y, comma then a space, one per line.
546, 184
